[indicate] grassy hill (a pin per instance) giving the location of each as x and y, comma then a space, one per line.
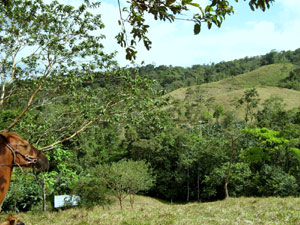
226, 92
152, 211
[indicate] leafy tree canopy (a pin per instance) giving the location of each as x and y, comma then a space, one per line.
134, 13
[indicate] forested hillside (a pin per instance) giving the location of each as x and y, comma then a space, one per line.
267, 80
172, 77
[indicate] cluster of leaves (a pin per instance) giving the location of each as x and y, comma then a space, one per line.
25, 192
134, 14
134, 11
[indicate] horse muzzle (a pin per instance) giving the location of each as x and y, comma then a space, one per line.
42, 161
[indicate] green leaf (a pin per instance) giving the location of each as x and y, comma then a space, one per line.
197, 28
209, 25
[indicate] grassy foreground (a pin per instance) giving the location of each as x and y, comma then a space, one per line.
151, 211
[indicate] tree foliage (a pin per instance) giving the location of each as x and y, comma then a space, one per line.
135, 11
125, 177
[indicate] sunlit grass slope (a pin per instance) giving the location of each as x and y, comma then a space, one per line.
151, 211
226, 92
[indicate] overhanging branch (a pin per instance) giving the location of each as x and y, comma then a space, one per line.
50, 147
29, 103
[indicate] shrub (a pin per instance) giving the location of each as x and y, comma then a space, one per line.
273, 181
24, 192
238, 181
91, 190
126, 177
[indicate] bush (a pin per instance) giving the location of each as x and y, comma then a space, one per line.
126, 177
238, 181
273, 181
91, 190
119, 179
24, 193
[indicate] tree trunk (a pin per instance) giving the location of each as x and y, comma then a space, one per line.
229, 169
188, 185
131, 200
198, 185
121, 204
44, 195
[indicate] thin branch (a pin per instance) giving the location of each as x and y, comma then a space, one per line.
24, 111
122, 21
50, 147
12, 77
49, 130
47, 72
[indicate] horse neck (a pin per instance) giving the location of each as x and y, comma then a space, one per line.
5, 171
5, 178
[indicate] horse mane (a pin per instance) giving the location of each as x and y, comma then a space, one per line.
6, 136
13, 134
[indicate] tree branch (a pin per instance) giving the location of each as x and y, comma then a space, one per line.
29, 103
12, 77
24, 111
50, 147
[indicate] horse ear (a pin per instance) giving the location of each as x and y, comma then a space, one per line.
12, 222
3, 138
11, 219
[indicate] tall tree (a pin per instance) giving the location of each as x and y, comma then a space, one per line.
251, 100
46, 42
52, 64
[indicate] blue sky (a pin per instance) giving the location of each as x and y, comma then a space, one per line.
245, 33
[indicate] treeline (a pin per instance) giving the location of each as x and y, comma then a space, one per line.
170, 78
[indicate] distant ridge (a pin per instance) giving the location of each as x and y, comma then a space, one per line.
226, 92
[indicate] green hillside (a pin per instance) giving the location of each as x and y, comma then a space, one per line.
226, 92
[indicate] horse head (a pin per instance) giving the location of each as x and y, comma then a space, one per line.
21, 153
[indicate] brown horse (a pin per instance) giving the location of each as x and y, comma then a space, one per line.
11, 220
17, 152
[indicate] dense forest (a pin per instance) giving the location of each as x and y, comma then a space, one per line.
110, 131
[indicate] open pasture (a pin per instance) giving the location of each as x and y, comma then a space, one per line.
152, 211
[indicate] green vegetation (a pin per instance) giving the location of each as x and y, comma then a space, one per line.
267, 80
231, 129
151, 211
121, 179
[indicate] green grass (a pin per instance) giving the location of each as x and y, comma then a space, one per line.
151, 211
226, 92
